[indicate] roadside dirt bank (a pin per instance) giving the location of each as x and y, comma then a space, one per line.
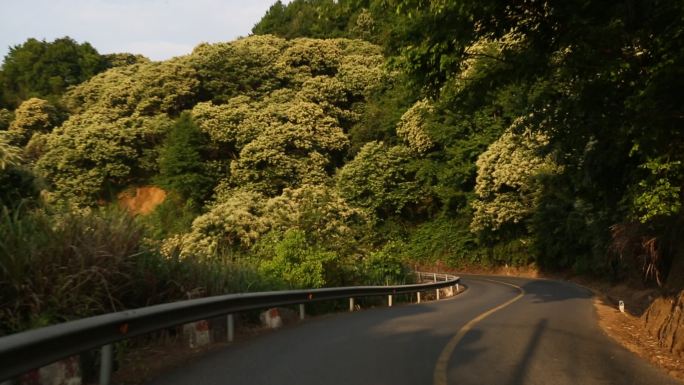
652, 325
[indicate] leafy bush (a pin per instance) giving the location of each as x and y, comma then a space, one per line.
386, 266
444, 239
412, 127
288, 260
171, 217
90, 156
506, 178
32, 116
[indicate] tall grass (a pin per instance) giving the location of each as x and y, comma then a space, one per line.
60, 266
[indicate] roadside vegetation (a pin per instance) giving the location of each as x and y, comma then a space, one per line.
340, 143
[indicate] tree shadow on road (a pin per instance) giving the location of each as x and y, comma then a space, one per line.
466, 362
554, 291
518, 376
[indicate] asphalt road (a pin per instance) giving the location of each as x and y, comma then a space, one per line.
541, 332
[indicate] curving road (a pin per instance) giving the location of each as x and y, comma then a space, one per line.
500, 331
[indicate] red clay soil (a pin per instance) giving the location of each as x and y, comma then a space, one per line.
664, 321
143, 201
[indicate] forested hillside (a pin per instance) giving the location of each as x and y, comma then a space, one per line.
550, 129
343, 142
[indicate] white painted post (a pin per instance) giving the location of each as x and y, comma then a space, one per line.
418, 293
351, 304
106, 358
437, 291
435, 276
302, 313
389, 300
458, 289
230, 328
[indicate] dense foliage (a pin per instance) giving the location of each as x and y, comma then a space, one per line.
347, 139
596, 83
245, 137
46, 69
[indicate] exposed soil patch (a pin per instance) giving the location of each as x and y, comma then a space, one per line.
665, 322
143, 200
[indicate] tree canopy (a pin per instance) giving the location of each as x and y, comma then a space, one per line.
38, 68
598, 81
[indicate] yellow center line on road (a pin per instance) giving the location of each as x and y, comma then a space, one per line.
440, 373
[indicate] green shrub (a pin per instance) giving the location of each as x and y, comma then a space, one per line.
171, 217
386, 266
444, 239
289, 261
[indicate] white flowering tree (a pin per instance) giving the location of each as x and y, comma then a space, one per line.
240, 218
378, 179
507, 172
33, 116
412, 127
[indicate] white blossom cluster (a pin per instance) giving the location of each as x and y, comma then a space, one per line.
506, 183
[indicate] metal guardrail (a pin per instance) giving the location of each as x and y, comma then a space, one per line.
25, 351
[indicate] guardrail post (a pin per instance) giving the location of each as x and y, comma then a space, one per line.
389, 300
230, 328
435, 276
351, 304
418, 296
106, 358
437, 291
458, 289
302, 313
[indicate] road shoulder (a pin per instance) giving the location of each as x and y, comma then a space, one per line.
629, 331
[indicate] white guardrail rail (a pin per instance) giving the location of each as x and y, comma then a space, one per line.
25, 351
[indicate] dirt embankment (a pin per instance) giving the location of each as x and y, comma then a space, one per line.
634, 328
143, 200
664, 321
